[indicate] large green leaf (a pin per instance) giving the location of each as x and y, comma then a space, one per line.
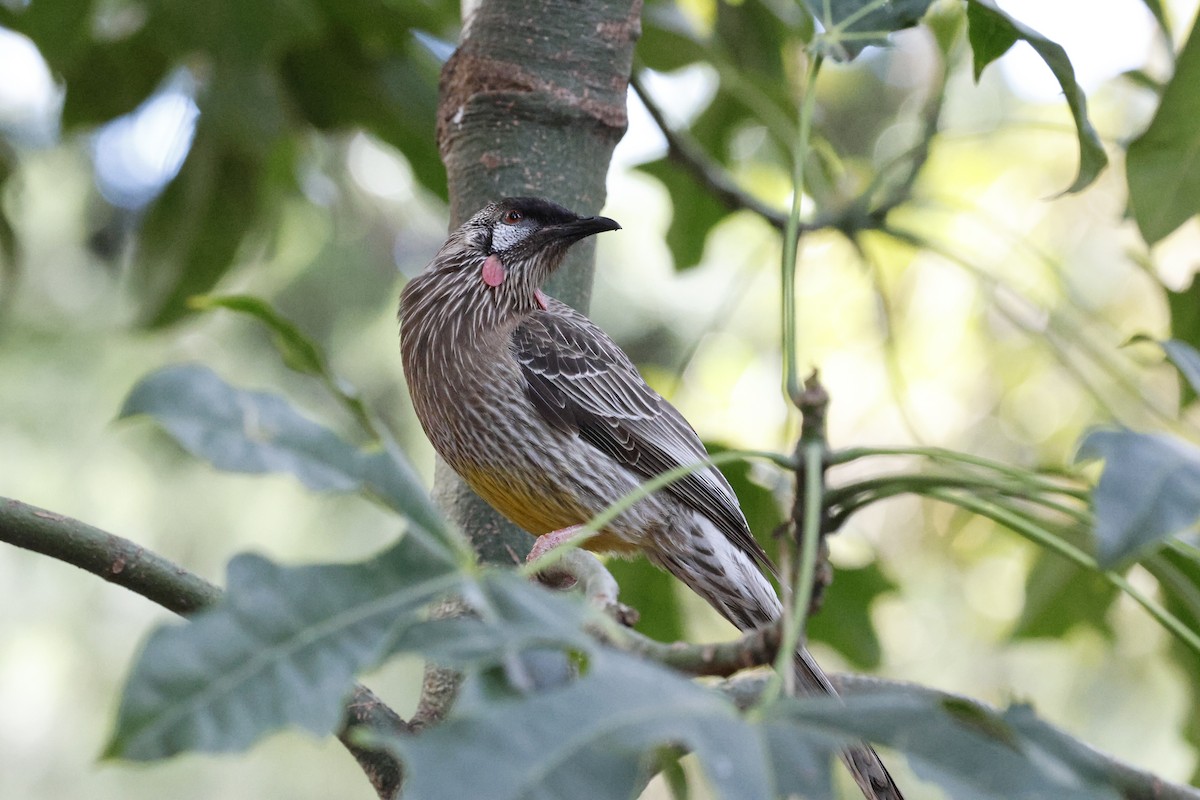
992, 32
510, 616
971, 752
281, 648
1163, 164
595, 738
244, 431
1149, 490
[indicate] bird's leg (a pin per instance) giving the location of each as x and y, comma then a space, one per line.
581, 568
548, 541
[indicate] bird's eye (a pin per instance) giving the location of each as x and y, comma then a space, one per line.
513, 217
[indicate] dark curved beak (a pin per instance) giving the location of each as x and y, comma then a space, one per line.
583, 227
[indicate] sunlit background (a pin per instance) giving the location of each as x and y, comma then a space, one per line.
993, 359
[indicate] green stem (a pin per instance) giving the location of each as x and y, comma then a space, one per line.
1039, 535
852, 497
1032, 479
791, 238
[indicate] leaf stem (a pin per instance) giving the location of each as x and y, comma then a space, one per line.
791, 239
1041, 536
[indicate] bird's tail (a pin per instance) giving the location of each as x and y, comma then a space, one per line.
860, 758
730, 580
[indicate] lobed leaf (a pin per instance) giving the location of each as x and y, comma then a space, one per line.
510, 616
1148, 491
257, 432
970, 752
992, 32
594, 738
281, 648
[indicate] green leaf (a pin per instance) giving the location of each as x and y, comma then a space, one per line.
1160, 16
1187, 360
1149, 490
111, 78
969, 751
1185, 313
299, 353
281, 648
60, 29
992, 33
653, 592
694, 211
1060, 595
193, 231
594, 738
1163, 164
668, 40
337, 87
845, 620
244, 431
870, 22
510, 616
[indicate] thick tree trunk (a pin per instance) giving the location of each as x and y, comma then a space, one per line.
532, 103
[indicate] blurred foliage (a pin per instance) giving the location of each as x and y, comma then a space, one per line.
268, 75
983, 317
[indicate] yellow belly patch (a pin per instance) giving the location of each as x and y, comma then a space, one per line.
538, 511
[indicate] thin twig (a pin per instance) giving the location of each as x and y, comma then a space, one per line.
710, 174
143, 572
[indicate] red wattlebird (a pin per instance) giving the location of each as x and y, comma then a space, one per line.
548, 420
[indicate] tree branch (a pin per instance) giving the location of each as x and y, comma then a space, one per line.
754, 648
143, 572
710, 174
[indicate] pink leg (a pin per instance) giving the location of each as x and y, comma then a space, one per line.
548, 541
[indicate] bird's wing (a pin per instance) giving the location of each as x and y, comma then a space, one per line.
579, 379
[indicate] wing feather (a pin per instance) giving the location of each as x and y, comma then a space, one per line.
579, 379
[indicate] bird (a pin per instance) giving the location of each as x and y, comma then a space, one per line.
547, 419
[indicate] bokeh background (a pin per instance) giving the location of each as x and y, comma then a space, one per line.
1010, 352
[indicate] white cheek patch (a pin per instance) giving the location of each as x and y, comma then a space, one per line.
493, 271
506, 236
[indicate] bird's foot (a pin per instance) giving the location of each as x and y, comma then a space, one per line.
582, 569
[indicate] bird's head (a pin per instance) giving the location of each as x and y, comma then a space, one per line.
514, 245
